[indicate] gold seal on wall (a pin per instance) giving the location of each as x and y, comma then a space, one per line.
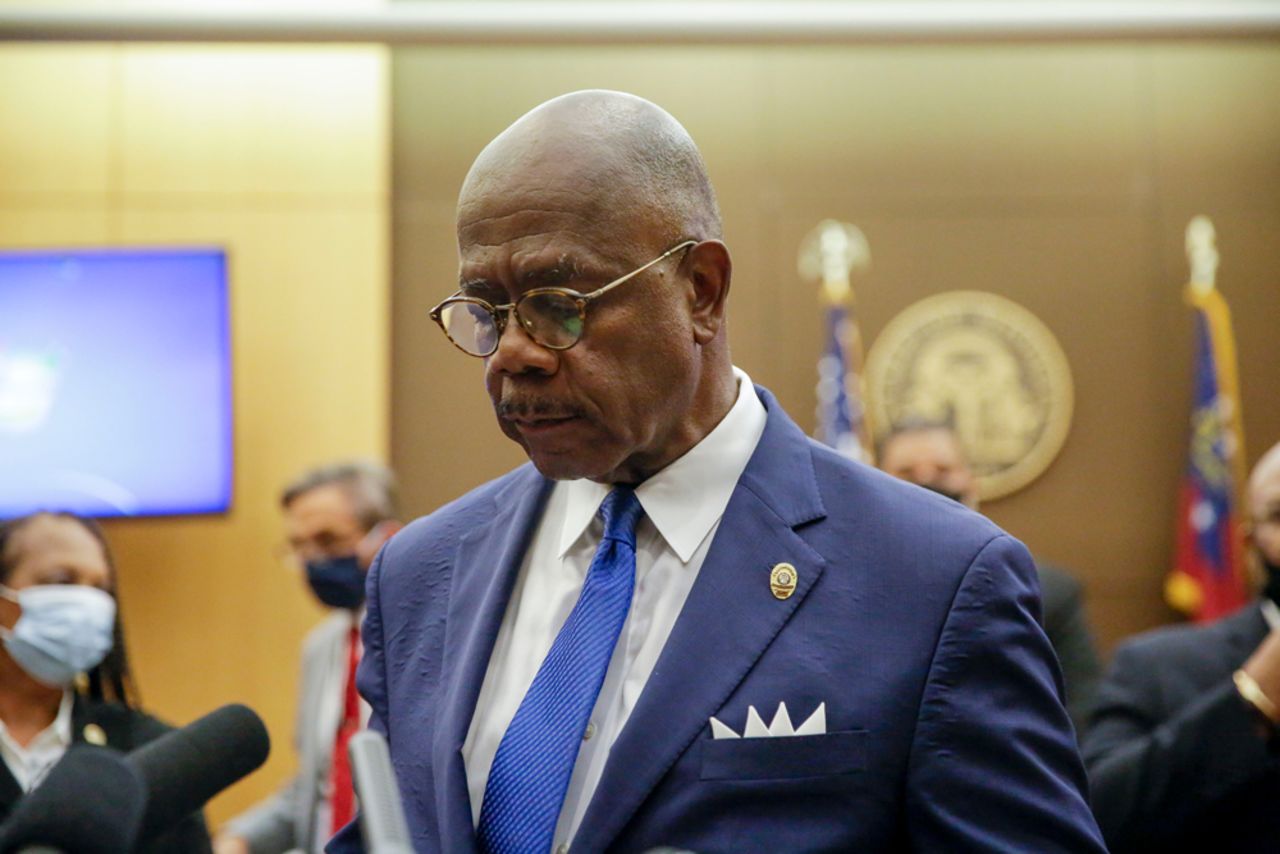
988, 366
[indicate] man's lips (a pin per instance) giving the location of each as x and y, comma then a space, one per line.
534, 414
537, 424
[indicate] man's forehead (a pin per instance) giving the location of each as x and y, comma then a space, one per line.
531, 238
924, 443
1265, 491
1264, 482
515, 199
326, 505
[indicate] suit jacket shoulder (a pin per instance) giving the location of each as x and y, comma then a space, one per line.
454, 520
930, 540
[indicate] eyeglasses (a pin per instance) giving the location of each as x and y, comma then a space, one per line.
552, 317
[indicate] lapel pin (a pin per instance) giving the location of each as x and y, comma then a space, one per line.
782, 580
94, 734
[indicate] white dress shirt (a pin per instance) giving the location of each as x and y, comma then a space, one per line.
1271, 614
30, 764
683, 505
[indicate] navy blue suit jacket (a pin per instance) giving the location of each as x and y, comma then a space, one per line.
914, 620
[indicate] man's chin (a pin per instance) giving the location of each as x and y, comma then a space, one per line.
560, 466
553, 455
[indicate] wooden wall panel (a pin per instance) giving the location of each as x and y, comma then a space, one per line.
56, 153
1061, 176
281, 156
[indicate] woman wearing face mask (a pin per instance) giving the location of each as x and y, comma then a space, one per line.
59, 626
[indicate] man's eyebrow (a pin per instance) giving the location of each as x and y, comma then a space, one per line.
560, 273
479, 287
563, 272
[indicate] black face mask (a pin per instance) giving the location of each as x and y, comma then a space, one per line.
945, 493
337, 581
1271, 585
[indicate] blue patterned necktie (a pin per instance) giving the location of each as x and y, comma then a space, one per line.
531, 770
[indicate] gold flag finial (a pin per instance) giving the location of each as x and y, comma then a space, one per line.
1202, 253
829, 253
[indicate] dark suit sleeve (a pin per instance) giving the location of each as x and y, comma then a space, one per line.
1068, 630
993, 764
1155, 770
372, 682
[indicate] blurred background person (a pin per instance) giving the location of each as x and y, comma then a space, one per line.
60, 624
1183, 749
336, 518
929, 453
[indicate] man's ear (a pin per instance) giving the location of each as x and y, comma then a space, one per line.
709, 269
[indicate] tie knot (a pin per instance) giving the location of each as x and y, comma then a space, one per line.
620, 511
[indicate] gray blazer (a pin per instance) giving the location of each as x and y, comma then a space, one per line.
286, 821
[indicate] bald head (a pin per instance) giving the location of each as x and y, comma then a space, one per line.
1264, 507
605, 195
623, 158
1265, 479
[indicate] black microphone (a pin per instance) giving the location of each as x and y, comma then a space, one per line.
185, 768
381, 813
91, 803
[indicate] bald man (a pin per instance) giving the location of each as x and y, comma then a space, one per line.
684, 623
1184, 745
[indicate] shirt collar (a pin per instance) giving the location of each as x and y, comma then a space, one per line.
61, 728
1271, 613
686, 499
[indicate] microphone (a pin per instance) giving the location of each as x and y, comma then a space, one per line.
184, 768
91, 803
382, 820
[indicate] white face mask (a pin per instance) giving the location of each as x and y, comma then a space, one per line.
64, 630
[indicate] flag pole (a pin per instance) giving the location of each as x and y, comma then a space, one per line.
828, 254
1202, 257
1208, 580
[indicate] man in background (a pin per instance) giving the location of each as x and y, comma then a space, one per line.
336, 518
929, 453
1183, 749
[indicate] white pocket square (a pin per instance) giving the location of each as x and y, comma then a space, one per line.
816, 724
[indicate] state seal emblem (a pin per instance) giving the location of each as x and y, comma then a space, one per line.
990, 368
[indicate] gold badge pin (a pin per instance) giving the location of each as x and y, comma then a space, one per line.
782, 580
94, 734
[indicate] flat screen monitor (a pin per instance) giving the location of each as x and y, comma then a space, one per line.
115, 382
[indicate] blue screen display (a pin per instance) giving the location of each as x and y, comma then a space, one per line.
115, 382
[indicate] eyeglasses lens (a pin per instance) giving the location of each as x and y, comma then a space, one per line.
551, 319
471, 327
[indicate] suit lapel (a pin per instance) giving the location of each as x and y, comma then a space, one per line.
728, 621
82, 718
484, 573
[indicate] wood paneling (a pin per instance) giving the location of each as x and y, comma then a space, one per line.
281, 156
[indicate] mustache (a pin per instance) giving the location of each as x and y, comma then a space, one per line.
520, 408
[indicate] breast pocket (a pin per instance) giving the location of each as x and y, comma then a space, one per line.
784, 757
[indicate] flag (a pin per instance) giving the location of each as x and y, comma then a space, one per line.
1208, 578
841, 415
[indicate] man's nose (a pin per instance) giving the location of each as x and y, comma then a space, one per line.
518, 353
